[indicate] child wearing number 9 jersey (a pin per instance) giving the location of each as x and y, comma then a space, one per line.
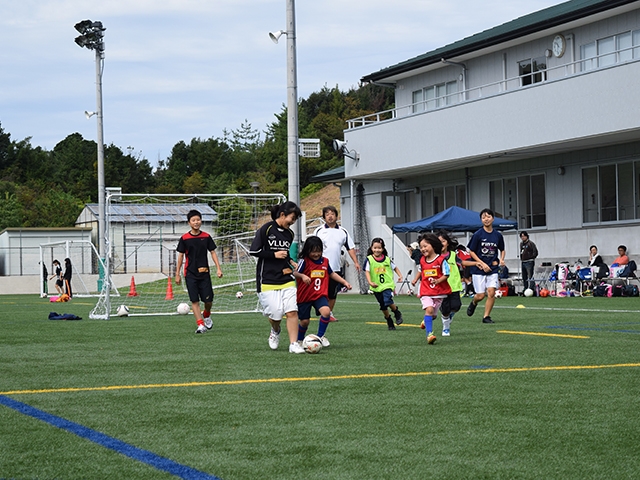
312, 275
379, 271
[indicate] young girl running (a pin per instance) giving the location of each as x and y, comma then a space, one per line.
433, 274
381, 282
452, 303
275, 282
313, 276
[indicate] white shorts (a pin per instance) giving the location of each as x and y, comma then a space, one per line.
277, 303
482, 282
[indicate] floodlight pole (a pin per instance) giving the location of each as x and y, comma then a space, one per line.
292, 121
91, 37
102, 224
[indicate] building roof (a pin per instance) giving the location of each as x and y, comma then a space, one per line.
156, 213
330, 175
526, 25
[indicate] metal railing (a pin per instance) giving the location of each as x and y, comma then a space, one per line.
500, 87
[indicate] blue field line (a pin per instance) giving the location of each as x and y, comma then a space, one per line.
144, 456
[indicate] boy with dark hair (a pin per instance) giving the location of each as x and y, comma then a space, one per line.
486, 248
195, 244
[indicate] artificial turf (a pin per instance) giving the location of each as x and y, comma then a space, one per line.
551, 390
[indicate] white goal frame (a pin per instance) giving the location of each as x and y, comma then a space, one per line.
235, 251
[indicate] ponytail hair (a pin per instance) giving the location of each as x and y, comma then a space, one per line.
285, 209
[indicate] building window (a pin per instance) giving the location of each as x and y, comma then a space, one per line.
435, 200
610, 50
392, 203
435, 96
532, 70
610, 193
521, 199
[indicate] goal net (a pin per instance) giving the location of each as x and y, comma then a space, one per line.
143, 233
85, 266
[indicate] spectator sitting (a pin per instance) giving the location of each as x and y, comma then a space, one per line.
598, 267
622, 259
414, 251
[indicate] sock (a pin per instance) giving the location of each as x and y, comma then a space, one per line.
302, 332
322, 326
451, 315
389, 321
428, 324
199, 321
446, 322
206, 313
397, 313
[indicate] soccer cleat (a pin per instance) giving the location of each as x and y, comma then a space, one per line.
325, 341
446, 332
332, 318
431, 338
295, 347
208, 322
274, 339
392, 327
422, 325
398, 317
471, 308
201, 329
487, 320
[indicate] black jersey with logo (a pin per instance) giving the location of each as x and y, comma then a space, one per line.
272, 273
196, 250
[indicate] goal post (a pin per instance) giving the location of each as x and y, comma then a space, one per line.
143, 233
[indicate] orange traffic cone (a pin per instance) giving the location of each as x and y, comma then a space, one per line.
132, 289
169, 295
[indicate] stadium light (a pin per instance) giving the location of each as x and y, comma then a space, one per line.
341, 149
92, 37
292, 117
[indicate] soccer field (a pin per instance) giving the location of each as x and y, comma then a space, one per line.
551, 390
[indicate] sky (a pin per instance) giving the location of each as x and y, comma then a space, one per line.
175, 70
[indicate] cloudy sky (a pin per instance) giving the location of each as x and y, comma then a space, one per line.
181, 69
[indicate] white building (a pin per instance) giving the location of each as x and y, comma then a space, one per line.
537, 119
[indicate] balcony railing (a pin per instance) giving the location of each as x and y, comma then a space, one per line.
558, 73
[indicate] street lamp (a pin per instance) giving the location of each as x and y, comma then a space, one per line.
91, 37
292, 117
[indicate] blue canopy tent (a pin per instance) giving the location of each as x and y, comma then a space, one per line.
453, 219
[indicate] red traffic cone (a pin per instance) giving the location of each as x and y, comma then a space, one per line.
132, 289
169, 295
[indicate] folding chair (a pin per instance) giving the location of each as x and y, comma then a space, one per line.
407, 282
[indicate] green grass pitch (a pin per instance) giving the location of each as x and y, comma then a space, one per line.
551, 390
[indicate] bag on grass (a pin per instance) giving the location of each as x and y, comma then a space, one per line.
630, 291
64, 316
600, 290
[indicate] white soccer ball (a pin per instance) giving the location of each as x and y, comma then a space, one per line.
123, 311
184, 308
528, 292
239, 294
312, 344
498, 293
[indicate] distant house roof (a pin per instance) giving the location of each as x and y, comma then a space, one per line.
330, 175
157, 213
526, 25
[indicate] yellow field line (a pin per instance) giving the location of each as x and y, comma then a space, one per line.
312, 379
401, 325
542, 334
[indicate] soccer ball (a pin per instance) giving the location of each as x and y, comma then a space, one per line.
184, 308
123, 311
498, 293
239, 294
528, 292
312, 344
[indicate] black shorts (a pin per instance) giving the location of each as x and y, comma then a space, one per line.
334, 287
385, 298
304, 309
199, 289
451, 303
